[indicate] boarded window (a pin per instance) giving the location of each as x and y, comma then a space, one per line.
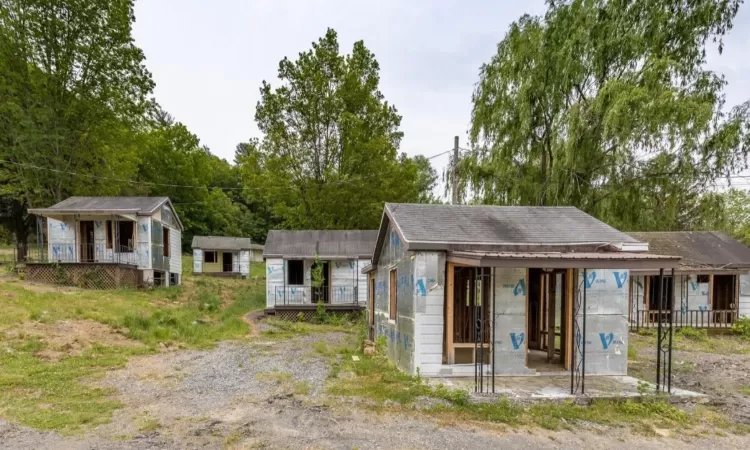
125, 236
295, 272
393, 291
108, 226
700, 279
210, 257
165, 241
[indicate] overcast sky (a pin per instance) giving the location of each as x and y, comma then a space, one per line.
208, 58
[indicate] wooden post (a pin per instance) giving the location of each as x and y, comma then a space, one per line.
450, 352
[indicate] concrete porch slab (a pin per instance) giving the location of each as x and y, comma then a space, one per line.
557, 387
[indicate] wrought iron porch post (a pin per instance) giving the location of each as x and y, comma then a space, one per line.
659, 300
492, 324
583, 353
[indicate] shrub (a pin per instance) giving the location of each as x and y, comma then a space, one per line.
742, 327
693, 334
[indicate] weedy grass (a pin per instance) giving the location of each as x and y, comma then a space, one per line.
50, 394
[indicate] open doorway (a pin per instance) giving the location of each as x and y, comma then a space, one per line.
471, 329
548, 313
87, 240
226, 262
723, 296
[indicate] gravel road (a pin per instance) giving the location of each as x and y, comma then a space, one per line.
267, 394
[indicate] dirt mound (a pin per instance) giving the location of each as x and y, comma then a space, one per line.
72, 337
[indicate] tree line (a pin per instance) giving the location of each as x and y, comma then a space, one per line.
604, 105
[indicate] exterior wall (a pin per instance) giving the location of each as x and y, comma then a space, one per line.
345, 274
274, 278
606, 320
744, 295
243, 262
143, 239
256, 255
429, 296
510, 321
400, 334
197, 260
175, 252
61, 239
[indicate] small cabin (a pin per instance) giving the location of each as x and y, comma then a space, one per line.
225, 256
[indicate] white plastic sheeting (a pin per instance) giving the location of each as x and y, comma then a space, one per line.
61, 236
510, 321
274, 279
244, 263
197, 260
745, 295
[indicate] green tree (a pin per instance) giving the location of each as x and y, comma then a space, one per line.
426, 180
74, 90
607, 106
329, 156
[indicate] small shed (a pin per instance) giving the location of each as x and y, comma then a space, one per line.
711, 285
339, 255
224, 256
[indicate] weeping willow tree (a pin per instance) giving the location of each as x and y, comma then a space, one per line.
608, 106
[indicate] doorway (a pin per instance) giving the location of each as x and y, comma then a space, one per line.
321, 293
226, 262
548, 314
723, 297
87, 240
371, 306
472, 326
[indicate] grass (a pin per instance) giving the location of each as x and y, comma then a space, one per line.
692, 340
52, 394
380, 381
744, 390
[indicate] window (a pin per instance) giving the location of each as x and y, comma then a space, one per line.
700, 279
210, 257
165, 241
394, 295
295, 272
174, 279
108, 225
125, 236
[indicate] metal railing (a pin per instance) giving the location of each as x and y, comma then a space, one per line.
307, 295
83, 253
692, 318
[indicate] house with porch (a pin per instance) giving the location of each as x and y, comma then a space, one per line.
709, 289
107, 242
337, 256
461, 290
225, 256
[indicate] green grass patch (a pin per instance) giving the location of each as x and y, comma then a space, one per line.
283, 329
744, 390
57, 395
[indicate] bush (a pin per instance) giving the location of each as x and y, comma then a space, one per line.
742, 327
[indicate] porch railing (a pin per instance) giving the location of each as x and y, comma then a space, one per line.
692, 318
83, 253
307, 295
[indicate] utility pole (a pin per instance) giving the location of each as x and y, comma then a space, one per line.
454, 173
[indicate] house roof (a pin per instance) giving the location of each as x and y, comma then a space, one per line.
699, 249
137, 205
325, 244
499, 228
224, 243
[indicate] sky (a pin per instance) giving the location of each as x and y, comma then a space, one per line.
208, 58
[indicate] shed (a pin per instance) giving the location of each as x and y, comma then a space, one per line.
478, 291
225, 256
711, 285
339, 256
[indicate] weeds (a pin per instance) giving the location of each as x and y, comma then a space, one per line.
693, 334
741, 327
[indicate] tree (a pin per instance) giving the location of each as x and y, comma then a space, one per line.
74, 91
329, 155
426, 180
607, 106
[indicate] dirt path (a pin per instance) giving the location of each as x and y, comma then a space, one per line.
271, 394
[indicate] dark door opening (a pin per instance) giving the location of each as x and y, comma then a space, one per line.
371, 307
471, 314
87, 240
723, 298
322, 293
226, 262
547, 319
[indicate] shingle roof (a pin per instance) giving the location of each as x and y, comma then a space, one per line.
323, 243
224, 243
443, 227
698, 249
141, 205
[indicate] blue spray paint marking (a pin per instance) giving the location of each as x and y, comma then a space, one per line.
606, 339
145, 227
338, 265
270, 270
693, 285
420, 288
517, 340
351, 264
394, 239
98, 223
63, 226
590, 279
620, 278
702, 307
520, 288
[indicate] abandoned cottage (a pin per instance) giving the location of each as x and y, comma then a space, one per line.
107, 242
711, 285
337, 255
224, 256
459, 290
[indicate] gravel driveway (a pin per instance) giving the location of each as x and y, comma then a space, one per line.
268, 394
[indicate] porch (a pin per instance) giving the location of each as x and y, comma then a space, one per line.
85, 275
